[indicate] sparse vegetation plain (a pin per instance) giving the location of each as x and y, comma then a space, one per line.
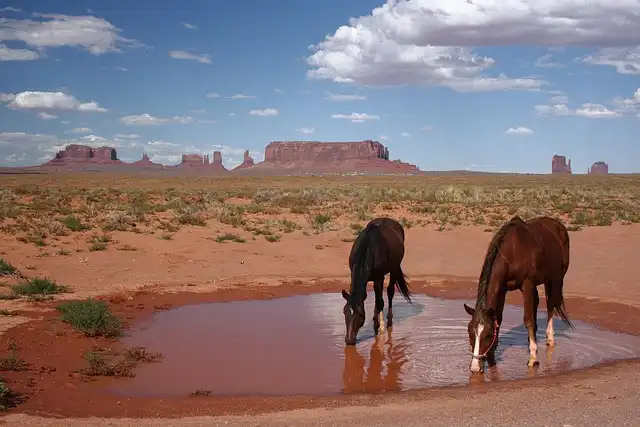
40, 210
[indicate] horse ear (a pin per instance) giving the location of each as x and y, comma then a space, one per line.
469, 310
345, 295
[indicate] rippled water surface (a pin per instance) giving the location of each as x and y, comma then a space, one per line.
295, 345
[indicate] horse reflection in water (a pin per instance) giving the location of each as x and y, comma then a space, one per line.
357, 378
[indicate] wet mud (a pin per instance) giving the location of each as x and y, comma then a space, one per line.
295, 346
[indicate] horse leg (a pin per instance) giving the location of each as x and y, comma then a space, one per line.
491, 356
391, 290
531, 300
378, 317
550, 335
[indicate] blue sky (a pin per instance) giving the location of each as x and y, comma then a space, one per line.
169, 78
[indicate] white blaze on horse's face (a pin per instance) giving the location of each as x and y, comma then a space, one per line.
476, 363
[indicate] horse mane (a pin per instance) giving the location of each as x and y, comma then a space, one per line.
490, 257
363, 262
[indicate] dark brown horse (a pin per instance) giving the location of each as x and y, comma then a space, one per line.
377, 250
531, 253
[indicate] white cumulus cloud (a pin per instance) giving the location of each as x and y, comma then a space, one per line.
8, 54
431, 42
626, 60
49, 101
306, 131
355, 117
241, 96
588, 110
46, 116
79, 130
181, 54
519, 131
95, 35
267, 112
628, 105
235, 96
147, 119
162, 144
345, 97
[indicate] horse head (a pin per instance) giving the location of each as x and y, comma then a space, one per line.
483, 335
354, 316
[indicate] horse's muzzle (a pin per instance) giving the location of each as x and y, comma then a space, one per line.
477, 365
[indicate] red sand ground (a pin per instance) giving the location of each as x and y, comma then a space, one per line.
601, 285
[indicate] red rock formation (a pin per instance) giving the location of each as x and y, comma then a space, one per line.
82, 154
217, 165
599, 168
190, 160
559, 164
247, 162
145, 162
284, 151
314, 156
296, 157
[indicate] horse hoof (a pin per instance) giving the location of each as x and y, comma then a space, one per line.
551, 343
532, 363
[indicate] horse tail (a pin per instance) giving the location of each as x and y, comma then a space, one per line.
490, 257
557, 302
364, 259
557, 298
400, 281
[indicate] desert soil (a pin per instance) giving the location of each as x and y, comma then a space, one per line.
601, 286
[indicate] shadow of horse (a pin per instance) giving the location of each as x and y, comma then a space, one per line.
356, 377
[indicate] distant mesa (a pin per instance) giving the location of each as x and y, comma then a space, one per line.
202, 161
316, 156
559, 164
247, 162
280, 157
82, 154
599, 168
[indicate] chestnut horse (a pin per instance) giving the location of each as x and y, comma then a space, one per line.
531, 253
377, 250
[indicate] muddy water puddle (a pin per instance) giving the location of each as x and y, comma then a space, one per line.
295, 346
